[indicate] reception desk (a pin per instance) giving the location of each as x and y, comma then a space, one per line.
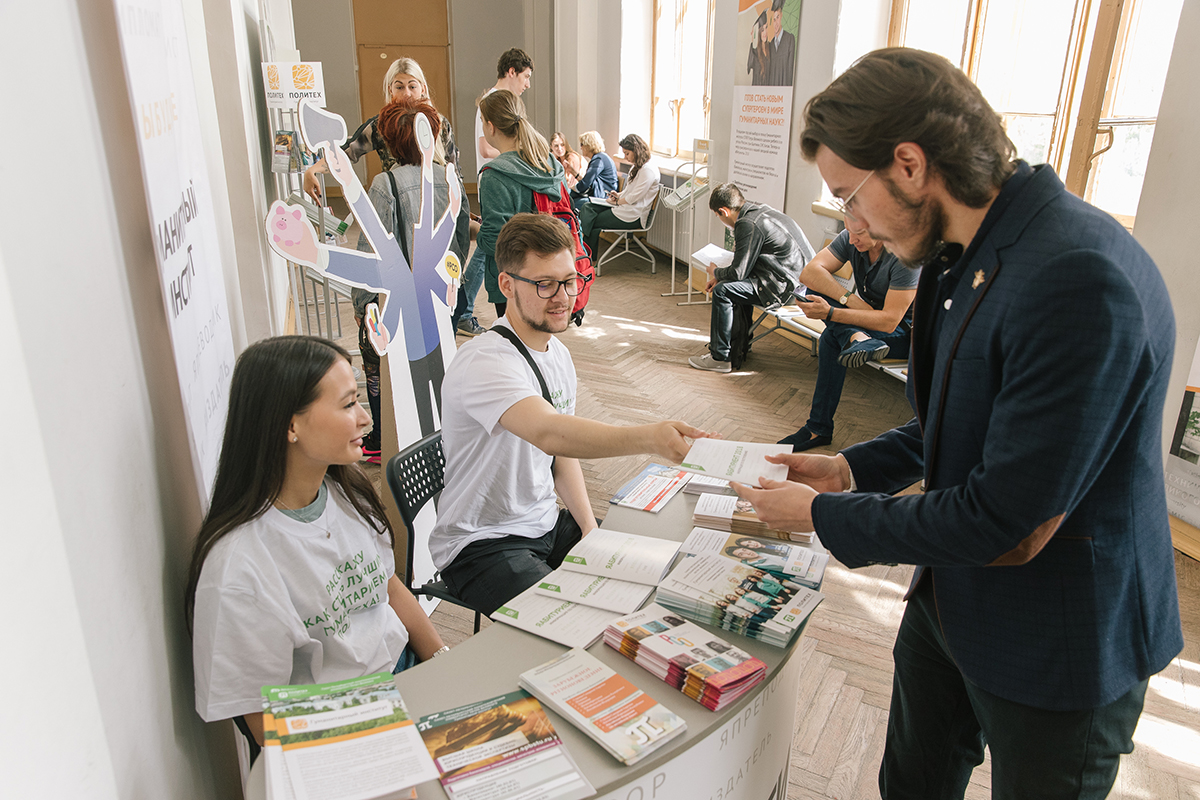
739, 752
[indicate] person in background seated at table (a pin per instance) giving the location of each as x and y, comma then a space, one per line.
601, 175
769, 251
572, 164
866, 323
292, 576
631, 206
509, 452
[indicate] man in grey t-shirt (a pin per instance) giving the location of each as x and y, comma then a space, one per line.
866, 323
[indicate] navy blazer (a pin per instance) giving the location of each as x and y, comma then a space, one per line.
1038, 390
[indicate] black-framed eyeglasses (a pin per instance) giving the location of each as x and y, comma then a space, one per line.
547, 289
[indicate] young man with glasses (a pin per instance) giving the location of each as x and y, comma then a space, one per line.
510, 452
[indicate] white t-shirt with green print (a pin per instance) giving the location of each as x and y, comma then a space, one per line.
287, 602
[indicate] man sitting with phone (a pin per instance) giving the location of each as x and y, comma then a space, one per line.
867, 323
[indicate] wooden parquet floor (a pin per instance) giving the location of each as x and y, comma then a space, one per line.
631, 358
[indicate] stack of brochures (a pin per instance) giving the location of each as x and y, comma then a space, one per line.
725, 513
617, 715
502, 747
720, 591
705, 667
744, 462
703, 484
804, 564
346, 740
608, 573
652, 488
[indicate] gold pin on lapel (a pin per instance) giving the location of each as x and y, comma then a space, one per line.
978, 279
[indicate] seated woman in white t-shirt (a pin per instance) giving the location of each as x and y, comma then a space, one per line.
292, 577
631, 206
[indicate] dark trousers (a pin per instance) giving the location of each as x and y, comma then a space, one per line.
831, 375
939, 722
596, 218
489, 573
720, 325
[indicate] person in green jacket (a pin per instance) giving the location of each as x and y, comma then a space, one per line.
507, 183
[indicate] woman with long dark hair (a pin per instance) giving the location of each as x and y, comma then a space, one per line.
631, 206
292, 576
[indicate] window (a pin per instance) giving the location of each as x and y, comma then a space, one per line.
1077, 82
682, 75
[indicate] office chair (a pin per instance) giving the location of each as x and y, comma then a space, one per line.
417, 475
626, 235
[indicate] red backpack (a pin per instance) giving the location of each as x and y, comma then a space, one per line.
563, 210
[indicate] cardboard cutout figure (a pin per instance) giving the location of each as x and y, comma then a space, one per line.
411, 298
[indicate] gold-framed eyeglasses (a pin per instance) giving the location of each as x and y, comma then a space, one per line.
547, 289
846, 205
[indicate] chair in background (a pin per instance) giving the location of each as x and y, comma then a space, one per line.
417, 475
626, 236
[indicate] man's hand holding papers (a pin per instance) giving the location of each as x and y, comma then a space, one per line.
787, 504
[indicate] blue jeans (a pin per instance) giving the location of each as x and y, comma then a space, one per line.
720, 325
831, 375
468, 289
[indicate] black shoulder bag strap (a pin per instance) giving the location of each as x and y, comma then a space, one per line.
507, 333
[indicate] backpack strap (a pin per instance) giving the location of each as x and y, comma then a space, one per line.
397, 229
507, 333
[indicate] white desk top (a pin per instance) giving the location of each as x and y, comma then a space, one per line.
487, 665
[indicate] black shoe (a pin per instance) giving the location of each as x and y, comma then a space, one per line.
804, 439
859, 353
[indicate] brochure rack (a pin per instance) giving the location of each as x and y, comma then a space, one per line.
287, 184
683, 198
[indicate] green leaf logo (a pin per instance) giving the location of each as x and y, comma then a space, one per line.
550, 587
508, 612
576, 560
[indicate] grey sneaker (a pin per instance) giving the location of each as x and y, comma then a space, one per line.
707, 362
471, 327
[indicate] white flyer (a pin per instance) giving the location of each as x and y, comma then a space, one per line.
609, 594
626, 556
561, 621
744, 462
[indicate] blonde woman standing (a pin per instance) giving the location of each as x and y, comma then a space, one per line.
404, 81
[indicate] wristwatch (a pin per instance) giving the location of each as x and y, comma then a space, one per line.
846, 296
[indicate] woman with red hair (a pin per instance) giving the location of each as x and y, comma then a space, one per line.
397, 197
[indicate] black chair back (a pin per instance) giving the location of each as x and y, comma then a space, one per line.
416, 475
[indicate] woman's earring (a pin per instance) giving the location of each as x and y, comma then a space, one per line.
295, 439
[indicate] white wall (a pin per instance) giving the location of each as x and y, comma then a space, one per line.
97, 479
1168, 206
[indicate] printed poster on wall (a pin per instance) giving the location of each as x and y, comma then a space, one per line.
764, 73
285, 84
1183, 458
166, 118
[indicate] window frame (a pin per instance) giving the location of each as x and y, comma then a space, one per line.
681, 146
1095, 54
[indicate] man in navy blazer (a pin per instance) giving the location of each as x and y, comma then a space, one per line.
1044, 596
